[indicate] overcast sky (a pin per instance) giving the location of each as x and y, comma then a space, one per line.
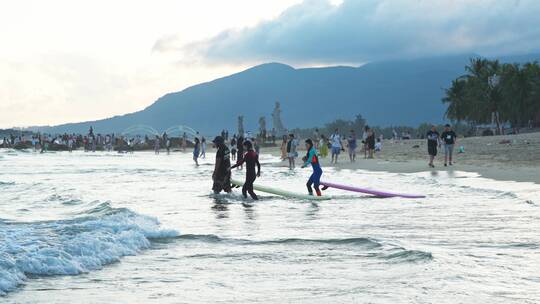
67, 60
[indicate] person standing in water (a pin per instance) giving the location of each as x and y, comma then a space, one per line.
203, 148
166, 142
240, 151
251, 159
233, 147
156, 145
351, 143
313, 159
449, 138
222, 169
284, 148
196, 150
432, 143
184, 141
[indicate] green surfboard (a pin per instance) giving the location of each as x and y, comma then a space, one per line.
282, 192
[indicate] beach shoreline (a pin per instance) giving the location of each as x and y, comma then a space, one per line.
504, 158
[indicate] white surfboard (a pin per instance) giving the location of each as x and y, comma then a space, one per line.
284, 193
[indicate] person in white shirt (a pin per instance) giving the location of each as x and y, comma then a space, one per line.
292, 154
335, 140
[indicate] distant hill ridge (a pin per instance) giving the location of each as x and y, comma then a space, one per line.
401, 92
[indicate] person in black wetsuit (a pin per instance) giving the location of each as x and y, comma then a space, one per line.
251, 159
222, 170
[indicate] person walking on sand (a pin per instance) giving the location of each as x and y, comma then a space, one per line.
313, 159
291, 151
364, 141
351, 145
432, 143
251, 158
222, 170
370, 143
449, 139
335, 140
196, 151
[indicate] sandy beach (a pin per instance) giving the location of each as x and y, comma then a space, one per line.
508, 157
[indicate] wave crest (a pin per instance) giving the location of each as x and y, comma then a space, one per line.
101, 236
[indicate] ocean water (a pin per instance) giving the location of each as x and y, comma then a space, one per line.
140, 228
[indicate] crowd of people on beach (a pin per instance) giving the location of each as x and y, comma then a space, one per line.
334, 144
244, 149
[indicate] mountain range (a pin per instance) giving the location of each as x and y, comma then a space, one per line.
401, 92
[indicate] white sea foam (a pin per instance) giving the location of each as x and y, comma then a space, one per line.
71, 247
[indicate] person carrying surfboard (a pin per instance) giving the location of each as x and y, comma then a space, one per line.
313, 159
251, 158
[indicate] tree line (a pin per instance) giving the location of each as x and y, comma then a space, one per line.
358, 123
496, 94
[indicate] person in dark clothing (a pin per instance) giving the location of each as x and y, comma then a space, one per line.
251, 159
432, 143
239, 151
196, 151
233, 148
449, 138
222, 169
370, 143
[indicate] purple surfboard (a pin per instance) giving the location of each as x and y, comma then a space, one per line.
369, 191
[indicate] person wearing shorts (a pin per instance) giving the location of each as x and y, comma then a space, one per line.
291, 151
449, 138
335, 140
432, 143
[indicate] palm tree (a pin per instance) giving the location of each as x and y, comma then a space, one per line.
456, 99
